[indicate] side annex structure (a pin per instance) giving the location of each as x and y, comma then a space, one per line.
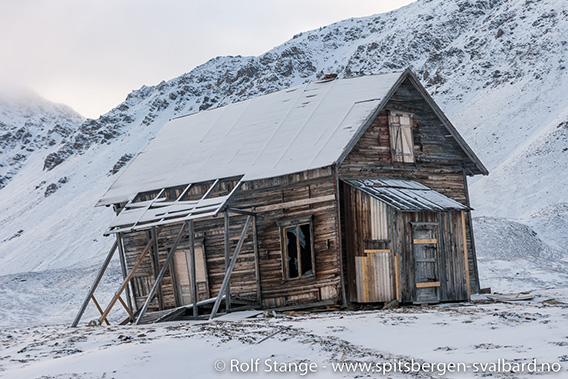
333, 192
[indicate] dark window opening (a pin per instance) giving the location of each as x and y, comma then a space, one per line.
298, 252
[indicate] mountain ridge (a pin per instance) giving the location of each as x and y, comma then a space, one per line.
496, 67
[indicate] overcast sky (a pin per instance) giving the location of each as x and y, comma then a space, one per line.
90, 54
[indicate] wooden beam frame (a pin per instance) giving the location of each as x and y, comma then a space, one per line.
338, 234
256, 261
296, 203
160, 275
227, 257
125, 282
99, 307
193, 269
156, 264
94, 285
227, 277
124, 270
465, 256
428, 285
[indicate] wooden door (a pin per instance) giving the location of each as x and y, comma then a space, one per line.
426, 259
182, 265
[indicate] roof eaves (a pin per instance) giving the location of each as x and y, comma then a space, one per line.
453, 131
356, 136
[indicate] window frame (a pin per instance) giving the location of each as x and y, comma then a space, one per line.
401, 156
296, 222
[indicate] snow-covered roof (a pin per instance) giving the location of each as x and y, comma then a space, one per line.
293, 130
406, 195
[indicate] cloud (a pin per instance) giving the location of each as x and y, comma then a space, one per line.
91, 54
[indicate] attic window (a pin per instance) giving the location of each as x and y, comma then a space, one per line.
297, 248
401, 139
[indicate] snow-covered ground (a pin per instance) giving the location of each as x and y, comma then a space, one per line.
39, 343
497, 68
475, 336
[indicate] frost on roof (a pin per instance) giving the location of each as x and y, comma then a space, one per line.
293, 130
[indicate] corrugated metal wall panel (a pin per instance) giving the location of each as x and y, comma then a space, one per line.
375, 282
379, 225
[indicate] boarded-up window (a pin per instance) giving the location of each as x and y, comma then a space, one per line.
182, 266
401, 139
298, 251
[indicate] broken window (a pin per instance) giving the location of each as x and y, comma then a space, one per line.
297, 244
401, 139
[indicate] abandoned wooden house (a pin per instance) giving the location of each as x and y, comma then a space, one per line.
334, 192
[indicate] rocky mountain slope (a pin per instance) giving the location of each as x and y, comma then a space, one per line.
497, 67
30, 124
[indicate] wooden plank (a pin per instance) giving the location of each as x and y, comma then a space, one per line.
338, 235
155, 254
227, 247
397, 277
95, 285
126, 308
297, 203
227, 277
428, 285
123, 269
125, 282
194, 294
465, 255
99, 308
364, 279
256, 261
418, 241
160, 274
375, 251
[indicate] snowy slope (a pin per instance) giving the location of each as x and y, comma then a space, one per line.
497, 67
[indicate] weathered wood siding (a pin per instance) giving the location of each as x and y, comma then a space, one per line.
450, 254
439, 160
366, 226
276, 290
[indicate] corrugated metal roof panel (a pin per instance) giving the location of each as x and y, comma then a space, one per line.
406, 195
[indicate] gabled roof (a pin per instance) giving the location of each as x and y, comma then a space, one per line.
406, 195
301, 128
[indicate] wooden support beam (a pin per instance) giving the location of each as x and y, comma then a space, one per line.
256, 261
125, 282
292, 204
99, 307
160, 275
94, 285
130, 314
156, 265
374, 251
428, 285
124, 269
477, 284
227, 258
193, 268
397, 277
465, 256
338, 235
227, 277
424, 241
241, 212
